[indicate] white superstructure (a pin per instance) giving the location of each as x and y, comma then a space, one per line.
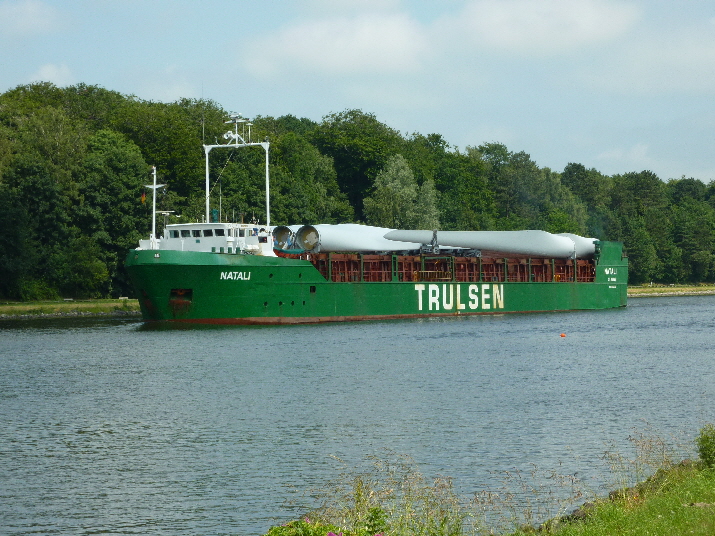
215, 238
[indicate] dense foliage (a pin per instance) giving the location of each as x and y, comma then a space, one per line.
705, 443
75, 161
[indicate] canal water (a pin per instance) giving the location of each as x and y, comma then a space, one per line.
110, 426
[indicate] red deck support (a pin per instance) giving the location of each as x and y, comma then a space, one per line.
353, 267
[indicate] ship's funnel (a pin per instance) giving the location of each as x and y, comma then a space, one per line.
490, 243
348, 237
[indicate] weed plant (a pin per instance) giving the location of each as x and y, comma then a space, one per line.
393, 498
656, 494
651, 452
392, 494
526, 499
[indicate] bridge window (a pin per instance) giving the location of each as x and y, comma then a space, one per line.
208, 232
185, 233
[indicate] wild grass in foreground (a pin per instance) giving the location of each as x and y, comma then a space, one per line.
391, 497
394, 499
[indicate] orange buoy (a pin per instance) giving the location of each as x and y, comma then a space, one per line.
563, 334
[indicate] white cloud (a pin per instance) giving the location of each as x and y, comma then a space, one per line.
351, 6
26, 18
168, 85
634, 158
60, 75
366, 44
675, 62
546, 27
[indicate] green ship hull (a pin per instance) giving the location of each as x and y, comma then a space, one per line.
225, 288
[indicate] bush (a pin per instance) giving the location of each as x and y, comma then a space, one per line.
706, 445
390, 497
303, 528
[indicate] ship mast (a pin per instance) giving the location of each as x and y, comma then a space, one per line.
153, 186
239, 140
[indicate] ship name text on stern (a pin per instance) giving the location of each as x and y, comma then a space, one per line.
452, 297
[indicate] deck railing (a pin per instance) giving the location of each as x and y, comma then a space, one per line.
353, 267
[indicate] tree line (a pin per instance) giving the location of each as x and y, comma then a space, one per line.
75, 162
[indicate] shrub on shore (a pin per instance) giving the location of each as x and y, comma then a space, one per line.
706, 445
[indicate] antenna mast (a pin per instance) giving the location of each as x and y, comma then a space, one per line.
153, 186
237, 141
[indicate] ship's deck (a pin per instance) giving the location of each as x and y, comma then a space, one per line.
347, 267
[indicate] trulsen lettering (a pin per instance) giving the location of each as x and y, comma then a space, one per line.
447, 297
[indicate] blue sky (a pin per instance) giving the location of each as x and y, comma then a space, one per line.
617, 85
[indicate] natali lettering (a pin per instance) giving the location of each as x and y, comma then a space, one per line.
236, 276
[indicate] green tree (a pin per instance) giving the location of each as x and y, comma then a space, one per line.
7, 148
693, 225
360, 146
558, 221
26, 99
38, 191
109, 211
57, 140
398, 202
426, 207
501, 179
80, 271
643, 263
682, 189
170, 136
95, 106
304, 186
529, 197
589, 185
17, 251
275, 127
694, 234
464, 199
643, 209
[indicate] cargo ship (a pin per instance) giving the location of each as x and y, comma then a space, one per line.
245, 273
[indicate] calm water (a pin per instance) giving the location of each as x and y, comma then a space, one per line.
113, 427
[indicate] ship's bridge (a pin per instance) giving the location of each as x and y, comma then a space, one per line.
229, 238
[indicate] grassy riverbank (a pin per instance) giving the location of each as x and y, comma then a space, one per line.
43, 309
678, 500
670, 290
395, 499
